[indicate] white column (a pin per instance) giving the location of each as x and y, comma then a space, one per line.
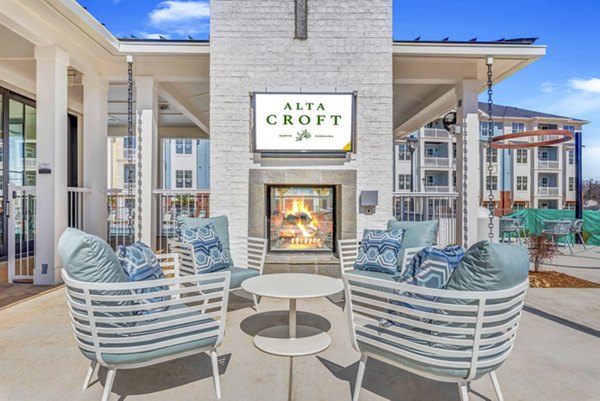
468, 117
51, 189
95, 134
147, 121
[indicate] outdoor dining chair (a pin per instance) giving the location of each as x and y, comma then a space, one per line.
508, 227
558, 230
577, 230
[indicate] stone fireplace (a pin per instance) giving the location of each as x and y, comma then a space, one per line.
302, 212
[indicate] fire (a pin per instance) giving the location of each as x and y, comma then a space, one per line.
301, 226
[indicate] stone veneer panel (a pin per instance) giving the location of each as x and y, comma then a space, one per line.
252, 48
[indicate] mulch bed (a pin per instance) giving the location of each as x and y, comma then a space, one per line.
552, 279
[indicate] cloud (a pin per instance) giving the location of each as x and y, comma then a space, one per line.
586, 85
181, 17
146, 35
548, 87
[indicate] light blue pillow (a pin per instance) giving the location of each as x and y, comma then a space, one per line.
417, 234
140, 264
221, 226
491, 266
208, 249
378, 251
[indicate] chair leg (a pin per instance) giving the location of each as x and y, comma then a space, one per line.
110, 378
359, 377
256, 301
496, 386
215, 371
464, 391
582, 241
90, 373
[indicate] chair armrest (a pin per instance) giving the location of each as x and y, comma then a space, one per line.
347, 252
187, 259
257, 252
169, 263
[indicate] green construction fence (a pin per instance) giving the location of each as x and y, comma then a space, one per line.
532, 221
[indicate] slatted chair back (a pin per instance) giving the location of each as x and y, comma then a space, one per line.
347, 252
433, 330
111, 319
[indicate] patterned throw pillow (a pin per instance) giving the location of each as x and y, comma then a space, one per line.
378, 251
431, 268
140, 264
208, 249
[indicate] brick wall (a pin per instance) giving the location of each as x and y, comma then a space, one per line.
349, 48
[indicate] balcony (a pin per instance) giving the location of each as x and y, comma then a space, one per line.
435, 133
548, 164
548, 191
437, 188
436, 161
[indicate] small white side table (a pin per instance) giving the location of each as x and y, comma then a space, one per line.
292, 339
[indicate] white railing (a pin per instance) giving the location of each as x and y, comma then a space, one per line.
120, 211
21, 233
548, 191
79, 213
548, 164
30, 163
419, 206
437, 188
437, 161
435, 133
175, 203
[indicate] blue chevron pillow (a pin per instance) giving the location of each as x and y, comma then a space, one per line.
378, 251
208, 249
140, 264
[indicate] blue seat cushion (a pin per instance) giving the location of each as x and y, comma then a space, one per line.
490, 266
378, 251
239, 274
208, 249
140, 264
221, 224
118, 358
417, 234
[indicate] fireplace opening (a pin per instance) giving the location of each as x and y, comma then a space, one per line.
301, 218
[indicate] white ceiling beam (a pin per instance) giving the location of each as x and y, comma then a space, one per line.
437, 103
424, 81
169, 92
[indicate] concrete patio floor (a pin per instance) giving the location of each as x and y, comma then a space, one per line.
555, 358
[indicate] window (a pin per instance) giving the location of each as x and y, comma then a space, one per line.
429, 181
569, 206
403, 152
571, 183
429, 152
404, 181
183, 178
129, 147
183, 146
522, 155
484, 128
521, 183
454, 179
571, 155
454, 150
128, 175
518, 206
518, 127
492, 154
569, 128
494, 183
543, 155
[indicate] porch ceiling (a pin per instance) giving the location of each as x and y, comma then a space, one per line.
426, 76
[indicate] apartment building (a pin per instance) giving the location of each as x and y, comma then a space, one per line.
541, 177
185, 163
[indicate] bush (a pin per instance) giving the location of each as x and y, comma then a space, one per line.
541, 250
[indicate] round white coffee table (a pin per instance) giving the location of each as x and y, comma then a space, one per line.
292, 339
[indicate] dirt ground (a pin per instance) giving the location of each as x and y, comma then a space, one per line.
553, 279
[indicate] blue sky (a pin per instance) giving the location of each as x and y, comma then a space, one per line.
565, 82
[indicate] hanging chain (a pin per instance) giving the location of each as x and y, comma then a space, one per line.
464, 186
139, 174
130, 138
490, 167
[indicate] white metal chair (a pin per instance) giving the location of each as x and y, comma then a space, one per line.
348, 251
256, 249
110, 333
456, 336
577, 230
508, 227
557, 230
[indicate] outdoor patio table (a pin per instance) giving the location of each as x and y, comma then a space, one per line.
292, 339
